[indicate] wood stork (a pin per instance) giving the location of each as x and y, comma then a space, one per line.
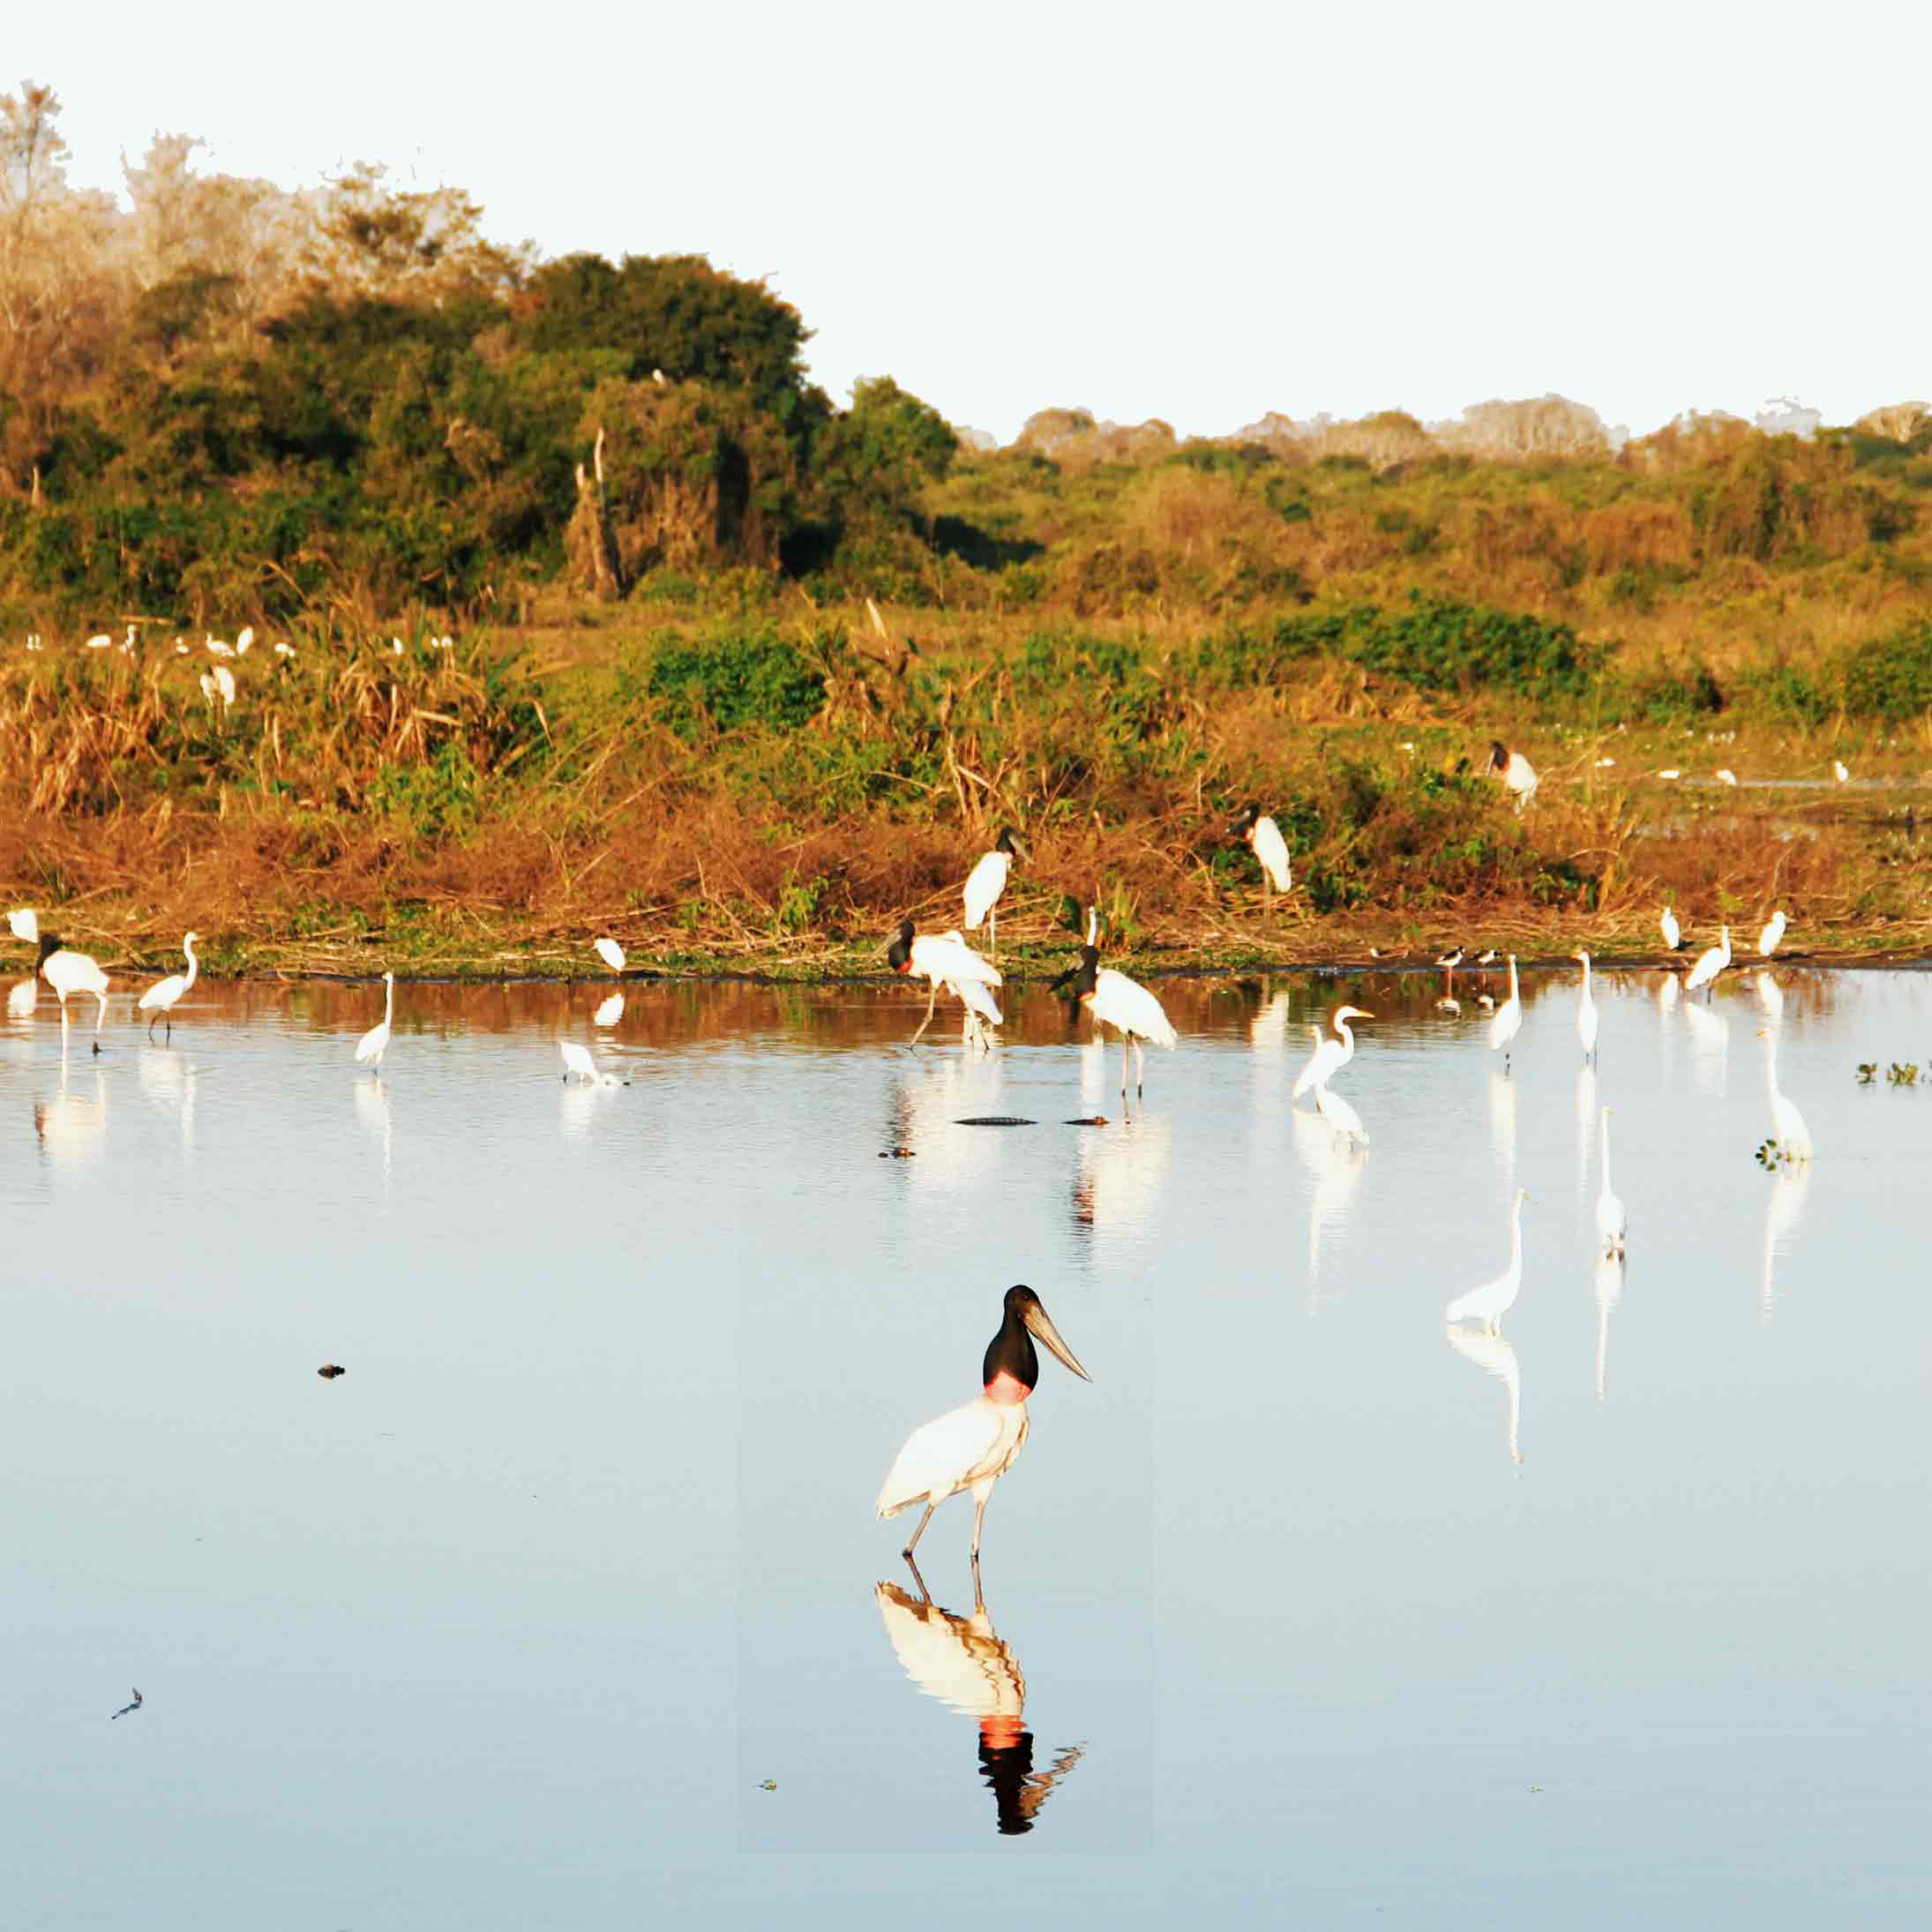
1586, 1013
1494, 1298
612, 953
375, 1043
1711, 963
1263, 837
1768, 939
1123, 1004
1331, 1055
67, 971
1613, 1218
1674, 934
974, 1446
1517, 774
939, 961
1788, 1128
1507, 1021
160, 1001
987, 880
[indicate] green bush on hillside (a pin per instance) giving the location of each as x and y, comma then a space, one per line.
742, 679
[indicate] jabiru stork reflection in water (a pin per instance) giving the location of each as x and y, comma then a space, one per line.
972, 1446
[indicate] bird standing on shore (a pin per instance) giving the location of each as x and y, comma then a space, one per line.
612, 953
1674, 934
1517, 774
974, 1446
987, 880
1263, 837
1773, 932
160, 1001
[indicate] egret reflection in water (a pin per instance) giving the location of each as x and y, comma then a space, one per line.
1586, 1127
21, 996
963, 1663
71, 1127
1334, 1169
1782, 1214
1502, 1121
372, 1110
1609, 1292
1710, 1047
1495, 1356
168, 1081
611, 1012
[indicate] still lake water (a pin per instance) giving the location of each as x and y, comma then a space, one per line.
512, 1625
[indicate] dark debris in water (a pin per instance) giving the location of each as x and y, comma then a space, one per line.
329, 1371
897, 1153
995, 1120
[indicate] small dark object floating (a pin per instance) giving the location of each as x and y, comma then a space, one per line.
329, 1371
897, 1153
1090, 1119
995, 1120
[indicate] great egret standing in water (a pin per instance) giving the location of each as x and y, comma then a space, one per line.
1613, 1218
1331, 1055
375, 1043
974, 1446
160, 1001
1711, 963
1788, 1128
1774, 931
1507, 1019
1489, 1303
1586, 1014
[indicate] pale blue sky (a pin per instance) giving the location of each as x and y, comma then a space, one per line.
1202, 212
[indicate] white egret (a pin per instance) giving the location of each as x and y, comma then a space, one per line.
1123, 1004
375, 1043
218, 682
244, 638
1331, 1055
1489, 1303
217, 646
25, 924
1613, 1218
20, 997
101, 643
1838, 770
610, 1012
1507, 1021
612, 953
1674, 934
1711, 963
1340, 1116
1586, 1013
987, 880
1262, 836
1727, 777
577, 1061
1773, 931
1788, 1128
67, 971
939, 961
1517, 774
160, 1001
974, 1446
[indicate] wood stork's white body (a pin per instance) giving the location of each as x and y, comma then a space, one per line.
1711, 963
1586, 1014
1788, 1128
375, 1043
1674, 934
1489, 1303
160, 999
1507, 1021
612, 953
1613, 1219
1768, 939
1331, 1054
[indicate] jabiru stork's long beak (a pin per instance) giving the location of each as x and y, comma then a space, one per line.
1041, 1324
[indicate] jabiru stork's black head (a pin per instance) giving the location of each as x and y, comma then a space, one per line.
899, 953
1078, 982
1010, 842
1499, 755
1251, 816
50, 944
1011, 1367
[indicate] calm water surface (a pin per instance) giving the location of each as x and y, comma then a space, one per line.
1301, 1608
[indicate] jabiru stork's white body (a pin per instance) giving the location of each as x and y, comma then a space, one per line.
612, 953
973, 1446
1788, 1128
1768, 940
940, 960
1507, 1021
1123, 1004
1711, 963
987, 880
1263, 837
1613, 1218
1489, 1303
160, 999
375, 1043
1517, 774
1330, 1054
65, 970
1674, 934
1586, 1014
982, 1010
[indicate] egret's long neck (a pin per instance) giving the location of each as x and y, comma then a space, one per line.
1515, 1239
1348, 1039
1513, 994
1586, 975
188, 946
388, 1001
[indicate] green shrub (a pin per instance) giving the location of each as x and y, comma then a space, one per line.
746, 677
1890, 676
1441, 645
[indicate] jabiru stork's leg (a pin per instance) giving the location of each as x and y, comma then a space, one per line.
981, 1498
933, 999
907, 1552
992, 916
1139, 1070
1125, 1049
